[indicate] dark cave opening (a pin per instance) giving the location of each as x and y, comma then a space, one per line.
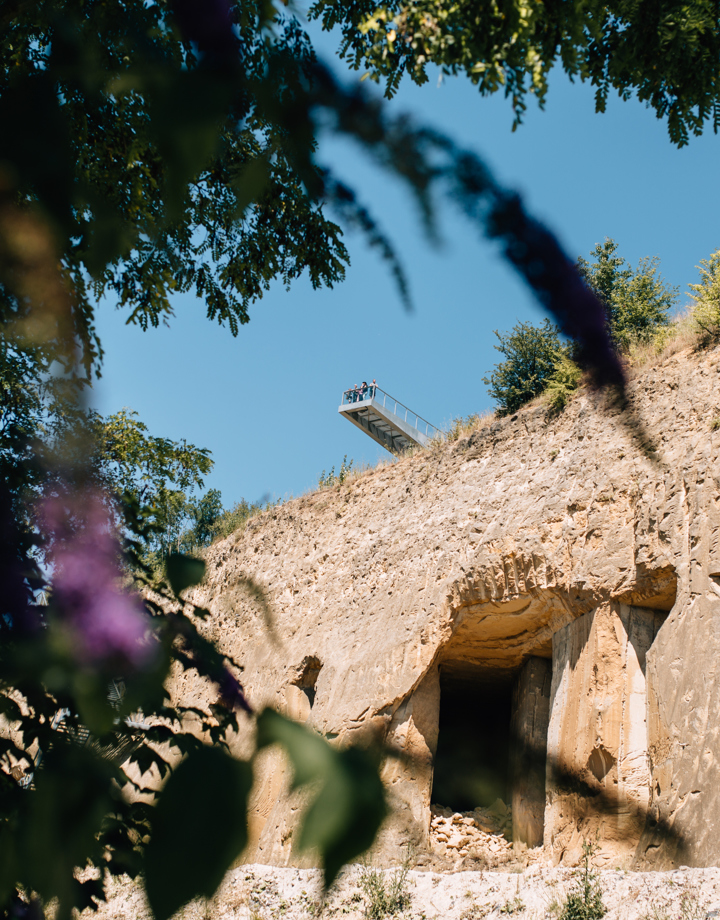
471, 767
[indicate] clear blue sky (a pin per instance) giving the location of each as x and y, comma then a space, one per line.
265, 403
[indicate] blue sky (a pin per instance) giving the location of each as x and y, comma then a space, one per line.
265, 403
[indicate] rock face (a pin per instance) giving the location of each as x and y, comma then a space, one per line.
598, 781
528, 750
409, 601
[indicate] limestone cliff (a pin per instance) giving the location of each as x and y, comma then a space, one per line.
446, 577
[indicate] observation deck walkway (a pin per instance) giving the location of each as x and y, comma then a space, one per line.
388, 422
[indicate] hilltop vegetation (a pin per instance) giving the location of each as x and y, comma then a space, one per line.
538, 365
638, 306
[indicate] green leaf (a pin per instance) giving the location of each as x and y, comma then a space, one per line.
183, 571
8, 863
74, 791
345, 815
310, 754
199, 827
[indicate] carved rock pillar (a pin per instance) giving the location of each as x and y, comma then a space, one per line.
529, 730
598, 773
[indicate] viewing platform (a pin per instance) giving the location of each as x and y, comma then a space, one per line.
387, 421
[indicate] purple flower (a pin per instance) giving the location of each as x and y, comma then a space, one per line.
108, 626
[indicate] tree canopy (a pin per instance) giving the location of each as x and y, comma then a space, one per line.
531, 354
667, 52
637, 300
160, 147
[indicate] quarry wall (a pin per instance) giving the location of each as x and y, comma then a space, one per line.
531, 612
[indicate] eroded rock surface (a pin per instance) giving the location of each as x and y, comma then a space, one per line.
452, 568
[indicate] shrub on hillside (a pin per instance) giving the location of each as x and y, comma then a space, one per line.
531, 356
459, 427
386, 893
706, 309
236, 517
563, 382
584, 901
637, 300
326, 480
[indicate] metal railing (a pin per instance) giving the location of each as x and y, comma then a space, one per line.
390, 404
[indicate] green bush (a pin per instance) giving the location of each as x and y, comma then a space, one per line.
461, 426
637, 302
584, 901
564, 381
531, 357
326, 480
236, 517
386, 893
706, 310
636, 299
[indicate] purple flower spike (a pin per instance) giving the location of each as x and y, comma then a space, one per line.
108, 626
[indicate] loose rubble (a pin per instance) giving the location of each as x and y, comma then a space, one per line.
482, 835
478, 839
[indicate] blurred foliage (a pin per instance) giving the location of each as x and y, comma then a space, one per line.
531, 354
348, 801
75, 527
190, 849
184, 159
637, 301
167, 174
666, 53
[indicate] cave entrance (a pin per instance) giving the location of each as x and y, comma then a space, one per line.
471, 767
492, 744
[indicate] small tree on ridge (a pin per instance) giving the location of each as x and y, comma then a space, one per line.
637, 300
531, 355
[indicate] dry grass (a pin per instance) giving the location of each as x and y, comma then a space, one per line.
464, 427
682, 333
366, 468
